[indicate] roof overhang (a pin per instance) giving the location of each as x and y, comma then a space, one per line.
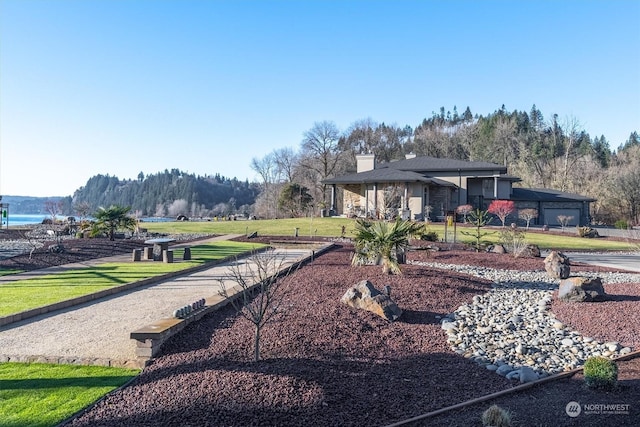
386, 175
547, 195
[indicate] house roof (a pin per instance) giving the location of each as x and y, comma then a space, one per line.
386, 175
418, 169
428, 164
547, 195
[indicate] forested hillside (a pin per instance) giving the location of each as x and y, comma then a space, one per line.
169, 193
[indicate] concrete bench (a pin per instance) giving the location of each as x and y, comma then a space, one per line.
150, 338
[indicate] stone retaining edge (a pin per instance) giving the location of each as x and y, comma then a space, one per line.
150, 338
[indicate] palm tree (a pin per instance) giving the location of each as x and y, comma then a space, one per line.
380, 242
112, 218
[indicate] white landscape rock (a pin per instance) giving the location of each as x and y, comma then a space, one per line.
512, 328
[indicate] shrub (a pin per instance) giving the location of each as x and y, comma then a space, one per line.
600, 372
496, 416
621, 224
513, 239
431, 236
587, 232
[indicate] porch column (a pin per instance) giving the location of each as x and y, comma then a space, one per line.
333, 198
406, 195
495, 187
366, 200
375, 200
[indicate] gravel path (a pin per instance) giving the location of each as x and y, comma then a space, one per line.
98, 332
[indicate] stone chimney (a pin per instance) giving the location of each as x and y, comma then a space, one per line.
365, 162
410, 156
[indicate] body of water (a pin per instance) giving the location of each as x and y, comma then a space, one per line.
32, 219
23, 219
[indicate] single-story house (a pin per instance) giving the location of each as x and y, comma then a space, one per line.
421, 187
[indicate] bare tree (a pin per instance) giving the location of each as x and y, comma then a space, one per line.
564, 220
285, 160
528, 215
572, 138
258, 291
321, 150
360, 138
83, 209
178, 207
53, 208
626, 184
267, 169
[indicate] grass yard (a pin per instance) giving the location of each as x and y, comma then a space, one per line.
308, 227
332, 227
27, 294
8, 272
41, 395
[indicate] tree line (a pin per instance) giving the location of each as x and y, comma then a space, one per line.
168, 193
551, 153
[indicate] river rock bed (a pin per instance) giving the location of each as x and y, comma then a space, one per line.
511, 330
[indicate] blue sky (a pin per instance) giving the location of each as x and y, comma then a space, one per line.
125, 86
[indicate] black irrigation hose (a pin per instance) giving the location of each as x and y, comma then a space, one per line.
501, 393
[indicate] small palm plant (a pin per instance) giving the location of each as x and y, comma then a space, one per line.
108, 220
380, 242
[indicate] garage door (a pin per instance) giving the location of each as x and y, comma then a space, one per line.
551, 216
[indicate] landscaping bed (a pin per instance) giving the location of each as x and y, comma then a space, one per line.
327, 364
75, 250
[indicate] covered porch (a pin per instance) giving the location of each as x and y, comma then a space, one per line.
387, 193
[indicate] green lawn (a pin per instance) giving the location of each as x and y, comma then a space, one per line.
32, 293
325, 227
45, 395
567, 242
332, 227
8, 272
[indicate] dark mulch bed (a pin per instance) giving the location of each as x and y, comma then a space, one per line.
75, 250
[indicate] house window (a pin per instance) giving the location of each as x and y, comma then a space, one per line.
487, 188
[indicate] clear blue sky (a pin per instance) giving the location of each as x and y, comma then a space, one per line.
122, 87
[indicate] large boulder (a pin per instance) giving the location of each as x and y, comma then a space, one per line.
557, 265
365, 296
581, 289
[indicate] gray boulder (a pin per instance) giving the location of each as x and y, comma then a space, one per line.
557, 265
365, 296
527, 375
496, 249
531, 251
581, 289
